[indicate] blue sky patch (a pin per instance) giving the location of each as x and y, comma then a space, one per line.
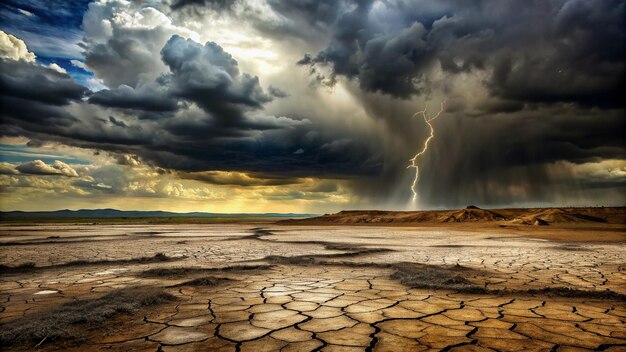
49, 28
23, 153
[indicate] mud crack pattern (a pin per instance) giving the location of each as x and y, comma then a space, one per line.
333, 293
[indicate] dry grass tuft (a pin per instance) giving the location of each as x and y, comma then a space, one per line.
31, 267
570, 292
454, 278
66, 320
22, 268
434, 277
320, 259
208, 281
180, 272
159, 257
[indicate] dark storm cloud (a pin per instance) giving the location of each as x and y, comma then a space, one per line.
25, 112
528, 138
213, 4
538, 51
307, 21
148, 98
553, 73
495, 159
125, 58
316, 13
116, 122
202, 74
228, 130
19, 79
578, 56
277, 92
298, 18
529, 85
210, 77
35, 96
199, 148
239, 179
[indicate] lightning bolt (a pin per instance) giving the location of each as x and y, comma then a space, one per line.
413, 160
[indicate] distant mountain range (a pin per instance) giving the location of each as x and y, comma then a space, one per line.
114, 213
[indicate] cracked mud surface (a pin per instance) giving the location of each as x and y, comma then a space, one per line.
319, 289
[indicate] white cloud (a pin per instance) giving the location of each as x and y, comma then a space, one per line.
123, 41
7, 169
38, 167
95, 84
56, 67
26, 13
13, 48
80, 64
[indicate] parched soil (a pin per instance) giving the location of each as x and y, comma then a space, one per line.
307, 288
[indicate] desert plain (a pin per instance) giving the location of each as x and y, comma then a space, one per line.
355, 281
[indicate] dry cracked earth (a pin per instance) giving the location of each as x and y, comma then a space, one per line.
288, 288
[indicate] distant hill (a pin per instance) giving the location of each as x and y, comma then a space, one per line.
114, 213
471, 214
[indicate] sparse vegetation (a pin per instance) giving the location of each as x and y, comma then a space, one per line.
567, 292
181, 272
203, 281
572, 248
159, 257
31, 267
320, 259
451, 278
22, 268
64, 321
454, 278
434, 277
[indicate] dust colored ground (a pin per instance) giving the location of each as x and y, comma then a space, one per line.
237, 287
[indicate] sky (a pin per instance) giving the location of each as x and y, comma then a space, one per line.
309, 106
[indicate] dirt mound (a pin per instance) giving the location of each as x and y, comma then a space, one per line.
374, 217
559, 216
471, 214
556, 216
529, 220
